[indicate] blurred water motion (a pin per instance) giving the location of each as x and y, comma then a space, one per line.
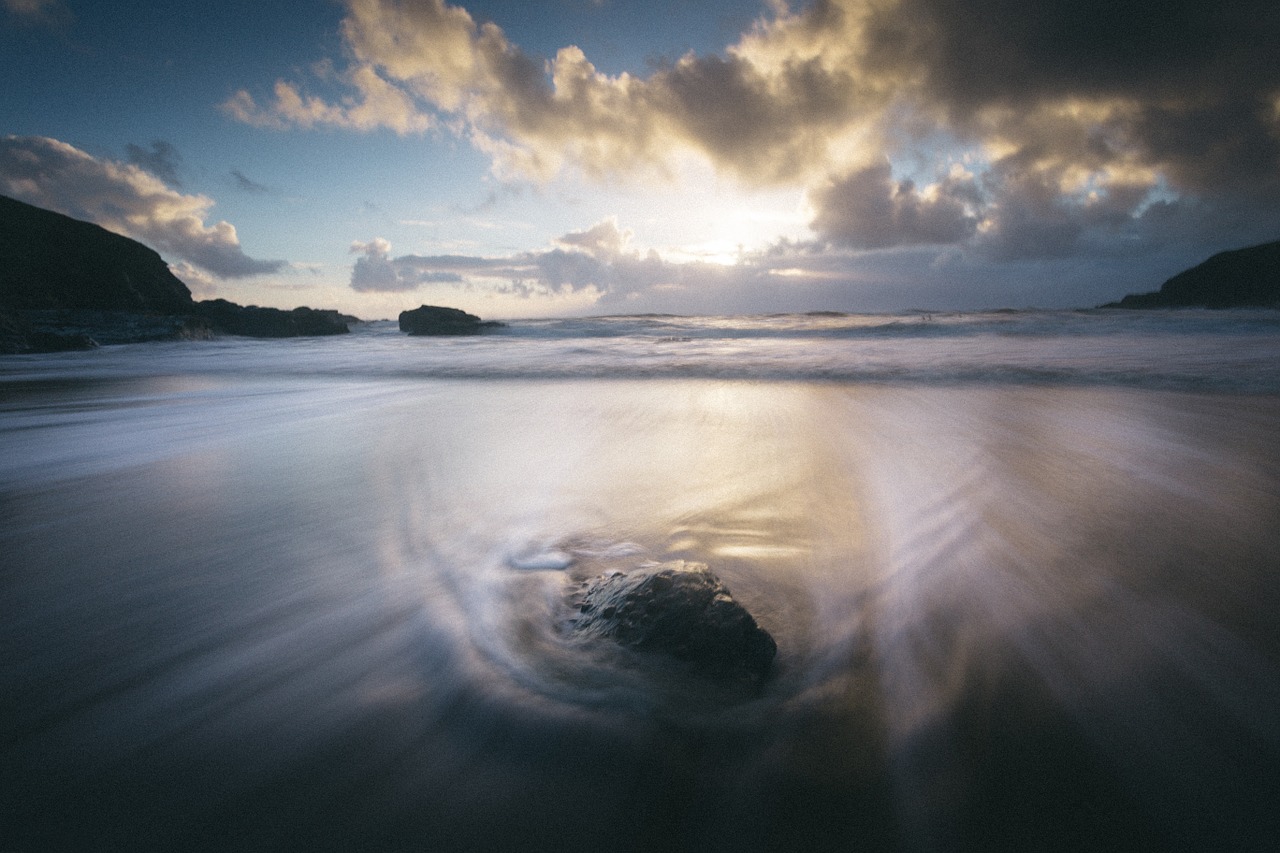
305, 613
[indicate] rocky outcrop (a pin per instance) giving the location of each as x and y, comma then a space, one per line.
114, 327
51, 261
19, 335
435, 320
254, 322
68, 284
1236, 279
679, 609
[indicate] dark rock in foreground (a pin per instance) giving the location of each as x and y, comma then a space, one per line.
680, 609
435, 320
1241, 278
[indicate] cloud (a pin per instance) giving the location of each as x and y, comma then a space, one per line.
1179, 88
124, 198
596, 261
602, 240
47, 13
756, 114
596, 269
867, 209
1004, 52
1071, 117
162, 161
377, 271
375, 104
248, 184
201, 284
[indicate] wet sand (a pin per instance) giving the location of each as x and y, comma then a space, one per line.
311, 614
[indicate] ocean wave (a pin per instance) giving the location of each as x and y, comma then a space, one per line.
1231, 351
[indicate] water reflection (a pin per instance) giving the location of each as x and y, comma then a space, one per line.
323, 616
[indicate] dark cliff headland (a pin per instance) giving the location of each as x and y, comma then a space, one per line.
1243, 278
68, 284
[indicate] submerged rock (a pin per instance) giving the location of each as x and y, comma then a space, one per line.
435, 320
680, 609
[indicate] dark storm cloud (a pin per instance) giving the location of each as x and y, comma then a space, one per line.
1193, 85
978, 52
867, 209
762, 125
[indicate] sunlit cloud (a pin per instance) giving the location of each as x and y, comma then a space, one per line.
1075, 118
201, 284
602, 240
597, 262
758, 112
598, 269
375, 104
124, 198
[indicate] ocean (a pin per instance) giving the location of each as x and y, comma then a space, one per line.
1022, 568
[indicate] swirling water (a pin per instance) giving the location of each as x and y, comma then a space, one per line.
301, 595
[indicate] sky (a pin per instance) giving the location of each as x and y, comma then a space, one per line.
570, 157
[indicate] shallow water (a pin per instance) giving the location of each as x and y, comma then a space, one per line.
265, 596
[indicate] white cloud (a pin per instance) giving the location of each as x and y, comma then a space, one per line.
602, 240
123, 198
201, 284
377, 271
596, 261
375, 104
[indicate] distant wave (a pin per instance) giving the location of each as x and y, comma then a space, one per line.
1193, 350
832, 324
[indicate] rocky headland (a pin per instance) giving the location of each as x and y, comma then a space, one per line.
1242, 278
68, 284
